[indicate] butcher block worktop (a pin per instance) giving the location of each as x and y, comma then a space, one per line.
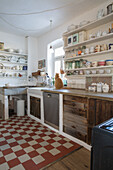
81, 93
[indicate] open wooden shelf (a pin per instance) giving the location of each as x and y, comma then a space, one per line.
97, 39
91, 68
17, 54
89, 55
93, 24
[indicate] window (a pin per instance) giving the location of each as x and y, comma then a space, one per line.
55, 58
58, 60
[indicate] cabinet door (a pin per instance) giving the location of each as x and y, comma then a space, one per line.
51, 109
35, 107
75, 117
104, 110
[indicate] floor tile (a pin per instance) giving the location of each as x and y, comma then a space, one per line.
67, 145
44, 143
18, 167
28, 149
24, 158
4, 166
16, 148
41, 150
55, 144
13, 163
54, 151
4, 147
10, 156
38, 159
32, 142
20, 152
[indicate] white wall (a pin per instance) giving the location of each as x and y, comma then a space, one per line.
13, 41
32, 57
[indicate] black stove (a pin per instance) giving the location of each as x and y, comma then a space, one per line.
102, 146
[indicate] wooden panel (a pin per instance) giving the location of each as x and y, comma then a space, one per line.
75, 118
91, 112
35, 107
104, 111
75, 108
89, 135
74, 98
75, 125
80, 128
72, 131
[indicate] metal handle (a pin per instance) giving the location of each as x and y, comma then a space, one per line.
49, 95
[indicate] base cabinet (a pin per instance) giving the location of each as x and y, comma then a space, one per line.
75, 117
81, 114
35, 109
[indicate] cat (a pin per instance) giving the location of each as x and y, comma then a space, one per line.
58, 82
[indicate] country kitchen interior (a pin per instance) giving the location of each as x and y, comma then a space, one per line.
56, 85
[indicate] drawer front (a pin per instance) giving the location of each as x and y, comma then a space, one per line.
75, 108
75, 125
75, 98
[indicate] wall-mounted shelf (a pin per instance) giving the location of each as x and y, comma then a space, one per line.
89, 55
97, 39
90, 68
20, 78
93, 24
9, 70
90, 75
17, 63
18, 54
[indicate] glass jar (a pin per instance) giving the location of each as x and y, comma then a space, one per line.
73, 65
81, 63
77, 64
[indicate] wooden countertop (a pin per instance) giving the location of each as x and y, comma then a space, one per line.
82, 93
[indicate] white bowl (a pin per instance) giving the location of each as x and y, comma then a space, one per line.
108, 71
101, 71
93, 71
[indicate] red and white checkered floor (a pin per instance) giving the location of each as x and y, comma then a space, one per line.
27, 144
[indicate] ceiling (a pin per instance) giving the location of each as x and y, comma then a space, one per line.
32, 17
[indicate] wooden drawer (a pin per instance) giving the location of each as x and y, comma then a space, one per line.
75, 108
72, 131
75, 98
75, 121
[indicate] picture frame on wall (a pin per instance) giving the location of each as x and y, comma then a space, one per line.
75, 38
41, 64
69, 40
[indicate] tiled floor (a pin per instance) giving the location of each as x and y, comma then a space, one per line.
27, 144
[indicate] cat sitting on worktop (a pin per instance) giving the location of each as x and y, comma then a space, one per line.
58, 82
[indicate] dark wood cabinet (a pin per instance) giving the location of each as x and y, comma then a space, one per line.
75, 116
81, 114
35, 109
